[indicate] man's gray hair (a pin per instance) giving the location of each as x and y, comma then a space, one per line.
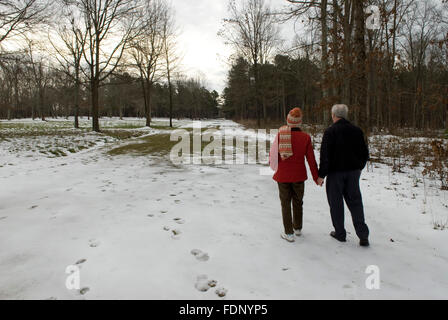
340, 111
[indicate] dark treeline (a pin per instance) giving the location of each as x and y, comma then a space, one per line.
123, 97
389, 62
286, 82
53, 95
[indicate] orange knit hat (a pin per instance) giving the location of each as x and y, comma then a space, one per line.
295, 117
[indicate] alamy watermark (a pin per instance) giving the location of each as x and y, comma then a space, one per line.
73, 280
216, 147
373, 21
373, 281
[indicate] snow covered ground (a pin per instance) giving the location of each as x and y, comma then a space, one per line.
140, 228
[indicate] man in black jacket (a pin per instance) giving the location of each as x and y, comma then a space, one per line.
344, 154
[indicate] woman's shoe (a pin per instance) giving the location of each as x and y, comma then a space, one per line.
288, 237
298, 232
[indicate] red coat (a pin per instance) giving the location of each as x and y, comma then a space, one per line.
293, 169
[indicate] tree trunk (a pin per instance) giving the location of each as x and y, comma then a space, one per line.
348, 27
170, 89
390, 72
257, 96
360, 85
370, 79
336, 77
145, 96
41, 104
324, 44
77, 103
95, 87
148, 99
95, 105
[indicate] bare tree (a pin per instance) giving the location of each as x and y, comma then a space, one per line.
170, 54
71, 55
147, 48
253, 31
18, 16
109, 27
319, 10
420, 30
40, 74
443, 43
359, 50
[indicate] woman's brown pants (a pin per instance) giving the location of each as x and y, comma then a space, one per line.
292, 192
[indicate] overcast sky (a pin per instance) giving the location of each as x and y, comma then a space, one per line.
204, 52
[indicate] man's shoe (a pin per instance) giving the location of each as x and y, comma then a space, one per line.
298, 232
364, 243
288, 237
333, 234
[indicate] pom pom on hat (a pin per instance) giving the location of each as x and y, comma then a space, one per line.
295, 117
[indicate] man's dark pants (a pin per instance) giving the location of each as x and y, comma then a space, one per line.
292, 192
345, 186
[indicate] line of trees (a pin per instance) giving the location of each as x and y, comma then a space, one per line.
386, 59
115, 57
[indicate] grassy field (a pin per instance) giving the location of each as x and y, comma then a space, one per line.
58, 138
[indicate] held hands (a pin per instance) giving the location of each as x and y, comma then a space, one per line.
320, 182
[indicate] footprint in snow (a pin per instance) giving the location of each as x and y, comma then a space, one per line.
176, 234
33, 207
81, 261
203, 284
200, 256
84, 290
93, 243
179, 220
3, 218
221, 292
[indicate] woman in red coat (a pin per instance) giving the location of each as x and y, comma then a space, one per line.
287, 159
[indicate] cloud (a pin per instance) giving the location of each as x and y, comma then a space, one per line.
204, 52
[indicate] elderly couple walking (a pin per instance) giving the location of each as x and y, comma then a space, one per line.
344, 154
